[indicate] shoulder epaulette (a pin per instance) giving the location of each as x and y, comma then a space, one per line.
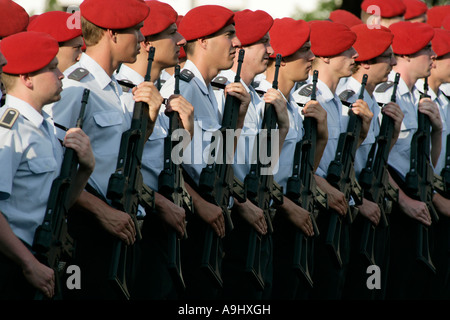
126, 85
306, 91
260, 92
346, 103
160, 82
346, 94
219, 82
78, 74
9, 118
255, 84
384, 86
299, 84
186, 75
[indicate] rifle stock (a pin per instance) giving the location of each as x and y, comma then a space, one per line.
52, 243
341, 175
217, 185
374, 179
261, 190
302, 190
126, 189
420, 180
171, 186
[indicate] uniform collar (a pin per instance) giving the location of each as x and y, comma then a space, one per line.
419, 86
198, 76
402, 88
125, 72
26, 110
325, 92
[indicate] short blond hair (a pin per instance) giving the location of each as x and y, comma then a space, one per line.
92, 33
8, 80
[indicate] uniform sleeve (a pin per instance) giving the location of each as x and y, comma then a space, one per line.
10, 156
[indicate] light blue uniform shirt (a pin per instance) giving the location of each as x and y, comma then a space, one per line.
352, 85
443, 103
153, 154
30, 158
337, 121
400, 154
207, 119
283, 168
108, 114
246, 147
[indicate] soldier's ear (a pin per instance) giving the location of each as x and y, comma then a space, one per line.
26, 80
203, 42
112, 35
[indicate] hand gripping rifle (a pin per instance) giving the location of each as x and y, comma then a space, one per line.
217, 183
301, 188
341, 175
126, 189
374, 179
52, 243
171, 186
419, 180
261, 189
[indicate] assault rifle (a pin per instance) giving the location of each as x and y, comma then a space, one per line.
341, 175
171, 186
302, 189
217, 183
442, 182
52, 243
261, 189
419, 180
126, 189
374, 179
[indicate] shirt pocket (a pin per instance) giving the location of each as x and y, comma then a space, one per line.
42, 165
333, 132
106, 137
407, 128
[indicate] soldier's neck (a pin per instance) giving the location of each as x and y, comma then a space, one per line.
103, 58
434, 83
370, 86
406, 76
284, 85
207, 71
140, 66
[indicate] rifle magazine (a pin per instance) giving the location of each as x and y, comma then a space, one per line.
253, 260
210, 257
423, 247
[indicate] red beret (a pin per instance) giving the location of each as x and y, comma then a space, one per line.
27, 52
205, 20
414, 8
182, 54
13, 18
114, 14
161, 16
288, 35
370, 43
330, 38
410, 37
345, 17
251, 26
436, 14
441, 42
55, 24
446, 22
388, 8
